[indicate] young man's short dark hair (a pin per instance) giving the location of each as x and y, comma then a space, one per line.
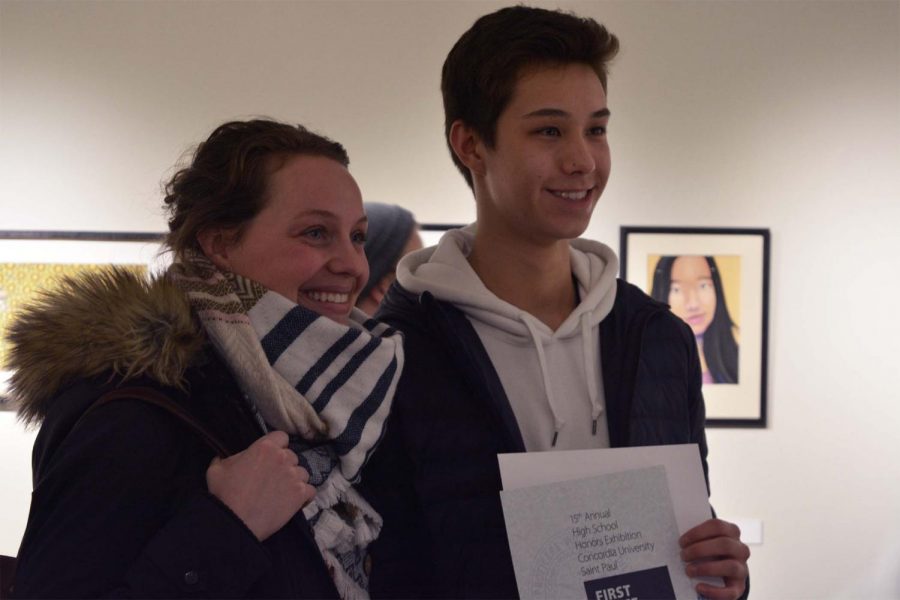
482, 69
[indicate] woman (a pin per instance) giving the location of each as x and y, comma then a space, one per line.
252, 332
692, 286
393, 234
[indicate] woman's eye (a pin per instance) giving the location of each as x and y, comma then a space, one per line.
315, 234
550, 131
358, 237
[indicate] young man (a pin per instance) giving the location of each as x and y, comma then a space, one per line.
518, 335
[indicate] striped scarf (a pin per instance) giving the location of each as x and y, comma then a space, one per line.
328, 385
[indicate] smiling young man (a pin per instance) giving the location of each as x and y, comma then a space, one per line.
519, 337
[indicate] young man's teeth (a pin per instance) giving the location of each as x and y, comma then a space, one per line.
329, 297
573, 195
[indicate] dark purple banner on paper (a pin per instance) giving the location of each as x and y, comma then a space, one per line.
638, 585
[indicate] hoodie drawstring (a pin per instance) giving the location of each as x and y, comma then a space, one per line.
558, 423
590, 370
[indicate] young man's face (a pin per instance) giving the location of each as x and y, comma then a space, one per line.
550, 161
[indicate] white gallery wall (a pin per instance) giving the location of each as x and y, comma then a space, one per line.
783, 115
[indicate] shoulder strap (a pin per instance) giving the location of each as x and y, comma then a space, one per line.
152, 396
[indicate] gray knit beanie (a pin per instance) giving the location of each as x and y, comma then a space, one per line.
390, 227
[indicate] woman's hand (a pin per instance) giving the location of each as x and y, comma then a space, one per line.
263, 485
714, 549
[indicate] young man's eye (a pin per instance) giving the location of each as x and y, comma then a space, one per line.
599, 130
550, 131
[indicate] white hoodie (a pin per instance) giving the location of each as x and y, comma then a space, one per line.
552, 378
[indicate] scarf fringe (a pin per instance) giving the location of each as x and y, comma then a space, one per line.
344, 525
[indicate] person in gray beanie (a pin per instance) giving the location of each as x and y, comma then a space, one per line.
392, 234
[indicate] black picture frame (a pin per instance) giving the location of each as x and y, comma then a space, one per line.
739, 272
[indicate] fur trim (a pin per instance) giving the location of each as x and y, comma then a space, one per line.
112, 322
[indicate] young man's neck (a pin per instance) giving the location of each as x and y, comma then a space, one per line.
536, 278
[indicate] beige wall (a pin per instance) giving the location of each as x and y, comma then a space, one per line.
783, 115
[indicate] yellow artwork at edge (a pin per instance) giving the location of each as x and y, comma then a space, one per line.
21, 282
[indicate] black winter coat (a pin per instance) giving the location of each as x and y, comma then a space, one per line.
435, 477
120, 506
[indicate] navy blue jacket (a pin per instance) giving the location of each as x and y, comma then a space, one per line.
435, 477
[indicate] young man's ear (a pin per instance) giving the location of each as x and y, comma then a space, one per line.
467, 146
216, 243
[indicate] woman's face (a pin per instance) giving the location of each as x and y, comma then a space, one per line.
692, 295
307, 242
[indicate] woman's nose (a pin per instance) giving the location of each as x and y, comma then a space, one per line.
349, 258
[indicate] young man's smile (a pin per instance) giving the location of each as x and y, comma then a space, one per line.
575, 196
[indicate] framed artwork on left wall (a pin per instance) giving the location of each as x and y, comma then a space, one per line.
717, 281
31, 261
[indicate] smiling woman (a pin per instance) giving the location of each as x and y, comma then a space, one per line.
251, 337
306, 243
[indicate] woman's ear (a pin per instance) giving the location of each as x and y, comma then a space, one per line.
467, 146
215, 243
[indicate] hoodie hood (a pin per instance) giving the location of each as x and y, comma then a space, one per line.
114, 321
444, 271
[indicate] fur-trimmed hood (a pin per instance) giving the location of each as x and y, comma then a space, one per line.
114, 322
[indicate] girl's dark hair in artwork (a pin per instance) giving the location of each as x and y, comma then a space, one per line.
719, 346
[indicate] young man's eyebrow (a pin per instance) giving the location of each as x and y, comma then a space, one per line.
558, 112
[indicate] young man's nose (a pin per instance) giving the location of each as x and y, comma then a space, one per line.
578, 157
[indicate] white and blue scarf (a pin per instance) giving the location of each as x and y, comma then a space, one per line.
328, 385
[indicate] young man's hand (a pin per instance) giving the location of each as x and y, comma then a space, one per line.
714, 549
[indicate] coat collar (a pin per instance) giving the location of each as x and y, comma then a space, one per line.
114, 322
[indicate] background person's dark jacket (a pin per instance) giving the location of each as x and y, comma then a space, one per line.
120, 506
435, 477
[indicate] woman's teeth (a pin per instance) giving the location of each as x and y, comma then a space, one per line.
329, 297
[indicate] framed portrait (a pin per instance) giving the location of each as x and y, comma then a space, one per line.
31, 261
717, 281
